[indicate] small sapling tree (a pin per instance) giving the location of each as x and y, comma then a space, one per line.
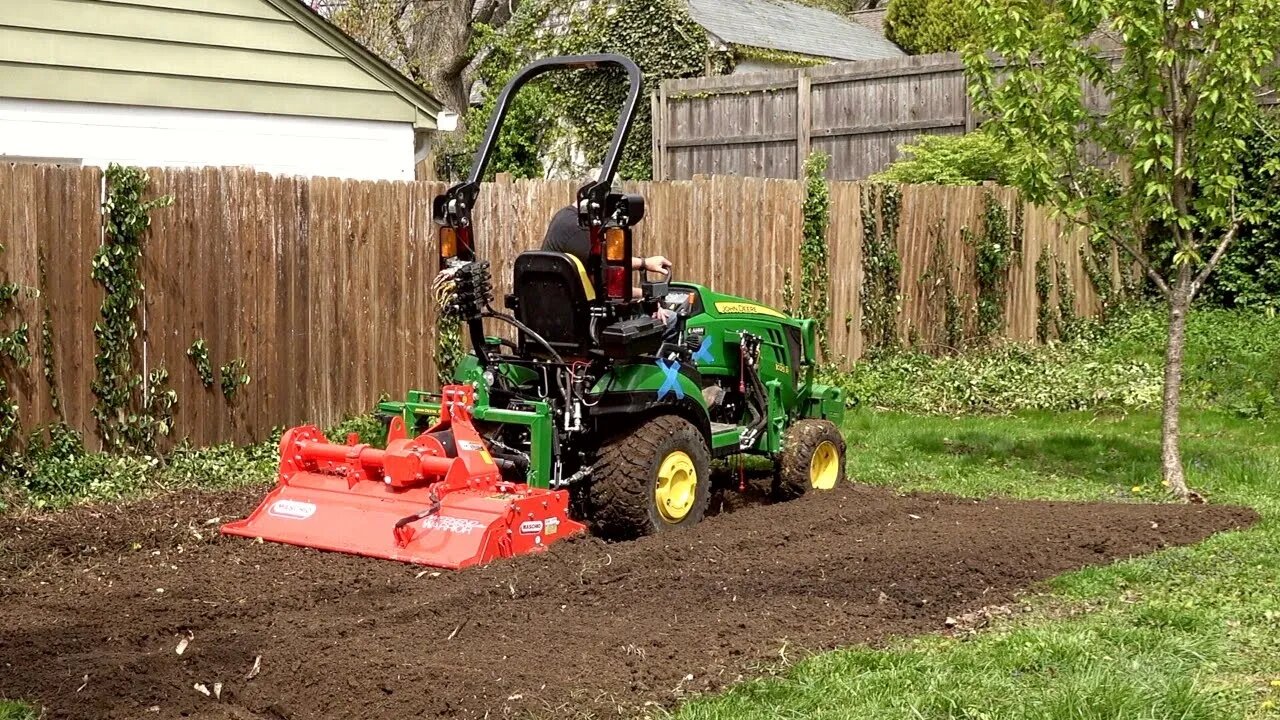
1130, 116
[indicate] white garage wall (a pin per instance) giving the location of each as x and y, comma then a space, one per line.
94, 134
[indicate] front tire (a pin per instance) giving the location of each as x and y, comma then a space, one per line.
812, 458
652, 479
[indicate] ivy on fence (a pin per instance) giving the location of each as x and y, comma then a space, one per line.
125, 420
995, 248
881, 265
1044, 286
232, 377
199, 354
13, 351
815, 281
936, 280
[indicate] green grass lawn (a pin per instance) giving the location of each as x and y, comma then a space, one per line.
1188, 633
12, 710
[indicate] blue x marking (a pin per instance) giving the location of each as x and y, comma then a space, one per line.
704, 356
672, 382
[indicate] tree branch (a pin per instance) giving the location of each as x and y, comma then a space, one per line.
1216, 258
1128, 247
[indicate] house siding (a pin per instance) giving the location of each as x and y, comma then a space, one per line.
96, 134
225, 55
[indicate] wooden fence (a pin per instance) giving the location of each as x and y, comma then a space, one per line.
765, 124
322, 285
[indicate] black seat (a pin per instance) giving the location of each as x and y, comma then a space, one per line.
553, 294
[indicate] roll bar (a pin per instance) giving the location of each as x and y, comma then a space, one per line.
453, 208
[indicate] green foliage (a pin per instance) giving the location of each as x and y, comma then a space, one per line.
14, 710
1183, 103
232, 377
13, 351
1067, 321
969, 159
56, 470
936, 281
449, 349
815, 283
661, 37
1045, 320
928, 26
367, 429
48, 365
881, 266
199, 355
995, 247
579, 108
1232, 363
780, 57
1249, 276
117, 267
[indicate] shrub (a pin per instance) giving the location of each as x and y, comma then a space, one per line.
928, 26
1232, 363
969, 159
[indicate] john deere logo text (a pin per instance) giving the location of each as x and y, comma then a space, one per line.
741, 308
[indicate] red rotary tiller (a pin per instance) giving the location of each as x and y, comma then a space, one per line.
436, 499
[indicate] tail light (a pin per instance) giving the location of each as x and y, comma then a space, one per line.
448, 242
615, 245
616, 285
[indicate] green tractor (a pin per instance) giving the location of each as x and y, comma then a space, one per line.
594, 397
597, 416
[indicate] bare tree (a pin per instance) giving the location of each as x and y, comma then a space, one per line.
428, 40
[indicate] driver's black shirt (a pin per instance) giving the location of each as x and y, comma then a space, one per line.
565, 236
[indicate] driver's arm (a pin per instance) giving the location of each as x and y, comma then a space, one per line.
656, 264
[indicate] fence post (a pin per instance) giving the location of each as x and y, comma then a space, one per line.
804, 109
655, 110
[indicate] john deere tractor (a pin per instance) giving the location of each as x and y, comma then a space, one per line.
594, 416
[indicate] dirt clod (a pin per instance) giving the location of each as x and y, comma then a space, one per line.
602, 629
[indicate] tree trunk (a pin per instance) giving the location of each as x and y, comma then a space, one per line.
1171, 454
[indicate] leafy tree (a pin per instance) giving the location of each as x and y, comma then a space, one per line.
969, 159
928, 26
1183, 90
1249, 276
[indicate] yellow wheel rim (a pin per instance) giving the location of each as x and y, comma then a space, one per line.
824, 467
677, 486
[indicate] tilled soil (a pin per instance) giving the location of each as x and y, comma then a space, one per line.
93, 603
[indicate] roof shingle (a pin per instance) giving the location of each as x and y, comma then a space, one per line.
786, 26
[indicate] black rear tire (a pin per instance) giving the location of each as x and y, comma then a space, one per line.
806, 461
626, 486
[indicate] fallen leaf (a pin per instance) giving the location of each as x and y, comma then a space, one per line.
257, 668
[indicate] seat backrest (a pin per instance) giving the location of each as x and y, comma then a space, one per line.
553, 294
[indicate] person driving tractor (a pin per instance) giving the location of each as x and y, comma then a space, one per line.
565, 235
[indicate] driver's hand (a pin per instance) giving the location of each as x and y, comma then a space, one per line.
657, 264
663, 315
